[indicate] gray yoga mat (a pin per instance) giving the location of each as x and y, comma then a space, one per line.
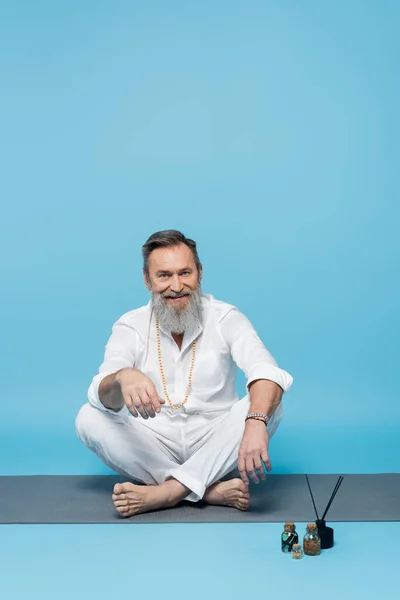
87, 499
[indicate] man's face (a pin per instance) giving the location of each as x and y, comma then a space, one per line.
173, 275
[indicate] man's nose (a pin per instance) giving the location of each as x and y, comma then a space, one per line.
176, 284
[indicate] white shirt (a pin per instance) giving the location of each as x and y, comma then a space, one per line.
226, 340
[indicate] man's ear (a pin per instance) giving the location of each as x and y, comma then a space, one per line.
146, 280
200, 272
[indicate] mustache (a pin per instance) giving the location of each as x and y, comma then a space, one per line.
176, 295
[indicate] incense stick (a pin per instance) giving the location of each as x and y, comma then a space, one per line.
335, 491
337, 486
312, 497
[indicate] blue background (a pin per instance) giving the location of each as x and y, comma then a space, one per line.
269, 133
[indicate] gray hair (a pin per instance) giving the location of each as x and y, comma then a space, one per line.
165, 239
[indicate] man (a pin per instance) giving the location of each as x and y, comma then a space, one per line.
163, 409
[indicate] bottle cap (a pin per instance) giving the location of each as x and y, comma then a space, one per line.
296, 547
289, 525
312, 526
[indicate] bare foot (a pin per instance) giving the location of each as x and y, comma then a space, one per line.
130, 499
228, 493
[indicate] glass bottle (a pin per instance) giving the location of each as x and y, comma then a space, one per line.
289, 537
312, 541
297, 551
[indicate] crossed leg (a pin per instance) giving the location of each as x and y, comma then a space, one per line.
156, 459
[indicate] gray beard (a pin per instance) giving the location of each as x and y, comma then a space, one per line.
178, 320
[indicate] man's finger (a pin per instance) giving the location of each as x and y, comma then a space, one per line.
250, 469
242, 470
149, 408
153, 392
129, 405
266, 461
155, 400
139, 407
259, 469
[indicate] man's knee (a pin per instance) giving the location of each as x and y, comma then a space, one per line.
89, 422
92, 424
84, 421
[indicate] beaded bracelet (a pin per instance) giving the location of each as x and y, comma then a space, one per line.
256, 419
263, 416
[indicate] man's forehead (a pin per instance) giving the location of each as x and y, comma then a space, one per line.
175, 257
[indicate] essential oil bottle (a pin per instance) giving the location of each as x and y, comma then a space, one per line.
289, 537
297, 551
312, 541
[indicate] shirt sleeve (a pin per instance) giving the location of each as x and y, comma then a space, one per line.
249, 353
120, 352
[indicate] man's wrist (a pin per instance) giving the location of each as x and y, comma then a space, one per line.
252, 414
256, 420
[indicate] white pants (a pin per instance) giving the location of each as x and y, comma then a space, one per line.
195, 449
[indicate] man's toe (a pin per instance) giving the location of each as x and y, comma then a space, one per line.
123, 510
120, 503
119, 497
242, 486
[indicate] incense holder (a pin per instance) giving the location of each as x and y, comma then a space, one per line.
325, 533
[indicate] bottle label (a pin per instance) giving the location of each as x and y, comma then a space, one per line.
288, 539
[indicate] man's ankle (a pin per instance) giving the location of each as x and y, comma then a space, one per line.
175, 491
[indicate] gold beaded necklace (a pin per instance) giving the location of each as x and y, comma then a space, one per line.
174, 406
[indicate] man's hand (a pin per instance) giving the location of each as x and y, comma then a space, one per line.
139, 393
253, 450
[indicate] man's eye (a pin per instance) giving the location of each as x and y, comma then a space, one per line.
186, 273
163, 275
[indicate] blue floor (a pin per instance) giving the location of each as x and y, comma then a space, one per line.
193, 561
